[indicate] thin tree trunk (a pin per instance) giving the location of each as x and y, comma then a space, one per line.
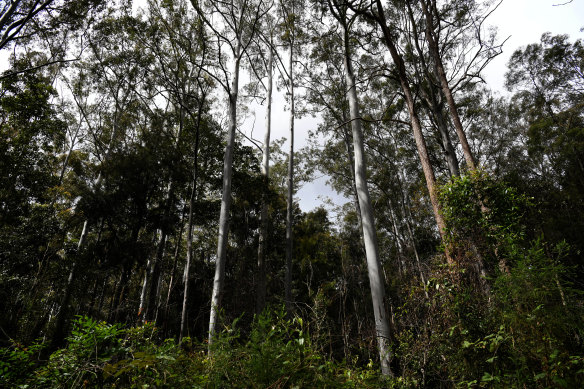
178, 239
145, 282
398, 240
415, 121
263, 238
376, 279
290, 199
225, 198
435, 52
156, 277
186, 273
449, 153
431, 100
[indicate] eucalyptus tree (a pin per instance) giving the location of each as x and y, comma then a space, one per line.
181, 52
173, 37
324, 81
291, 16
430, 93
465, 20
346, 19
234, 31
263, 235
376, 13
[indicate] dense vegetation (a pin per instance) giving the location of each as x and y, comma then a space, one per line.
147, 240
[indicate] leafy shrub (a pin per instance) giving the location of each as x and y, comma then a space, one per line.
277, 353
89, 346
16, 362
526, 329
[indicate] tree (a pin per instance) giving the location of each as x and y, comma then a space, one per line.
376, 279
376, 13
241, 20
291, 16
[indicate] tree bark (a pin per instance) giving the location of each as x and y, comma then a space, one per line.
290, 199
376, 279
263, 238
415, 122
435, 52
432, 101
186, 274
225, 198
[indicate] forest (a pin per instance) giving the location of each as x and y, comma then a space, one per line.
150, 239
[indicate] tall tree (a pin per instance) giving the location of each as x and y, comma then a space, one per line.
239, 23
291, 13
376, 12
376, 279
263, 236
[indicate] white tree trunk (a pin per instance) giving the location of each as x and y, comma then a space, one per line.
225, 198
290, 204
376, 279
186, 274
261, 284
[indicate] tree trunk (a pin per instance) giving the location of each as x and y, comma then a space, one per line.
178, 239
290, 199
435, 52
449, 153
155, 277
225, 198
432, 100
350, 153
263, 238
186, 273
376, 279
415, 121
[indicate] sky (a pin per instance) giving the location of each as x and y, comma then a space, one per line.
521, 21
524, 21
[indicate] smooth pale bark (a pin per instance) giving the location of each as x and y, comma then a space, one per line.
435, 52
218, 282
290, 199
143, 291
415, 121
263, 238
349, 149
151, 313
402, 268
376, 279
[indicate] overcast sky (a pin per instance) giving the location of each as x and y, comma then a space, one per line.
522, 21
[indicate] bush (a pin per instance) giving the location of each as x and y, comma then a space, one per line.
277, 353
526, 329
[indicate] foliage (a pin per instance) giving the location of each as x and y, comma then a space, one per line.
276, 353
524, 329
484, 214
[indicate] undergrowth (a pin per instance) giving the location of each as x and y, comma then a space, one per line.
277, 353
